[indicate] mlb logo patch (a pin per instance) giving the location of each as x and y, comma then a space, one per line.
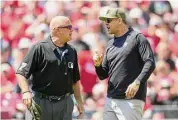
70, 65
125, 44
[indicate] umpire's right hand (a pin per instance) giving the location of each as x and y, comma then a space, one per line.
27, 98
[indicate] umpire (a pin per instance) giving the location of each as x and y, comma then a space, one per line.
128, 62
53, 65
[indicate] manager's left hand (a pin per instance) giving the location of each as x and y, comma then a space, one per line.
132, 90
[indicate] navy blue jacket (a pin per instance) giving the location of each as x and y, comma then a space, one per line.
127, 58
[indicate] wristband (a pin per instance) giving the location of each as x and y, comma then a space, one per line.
26, 92
97, 65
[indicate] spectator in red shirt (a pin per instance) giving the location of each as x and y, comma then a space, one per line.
88, 75
150, 33
7, 78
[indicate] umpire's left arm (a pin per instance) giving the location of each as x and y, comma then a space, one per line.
76, 88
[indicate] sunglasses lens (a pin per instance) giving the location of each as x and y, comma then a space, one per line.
70, 27
108, 20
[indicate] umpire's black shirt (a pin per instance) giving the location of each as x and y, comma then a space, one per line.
127, 58
53, 69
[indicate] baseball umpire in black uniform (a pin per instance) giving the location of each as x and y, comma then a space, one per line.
53, 65
128, 62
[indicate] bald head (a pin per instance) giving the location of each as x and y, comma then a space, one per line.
59, 21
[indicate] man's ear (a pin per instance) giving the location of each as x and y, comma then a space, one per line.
55, 28
120, 20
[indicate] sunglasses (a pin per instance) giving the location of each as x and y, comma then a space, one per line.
108, 20
68, 27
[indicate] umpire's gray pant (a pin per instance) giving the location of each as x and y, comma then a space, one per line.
61, 110
121, 109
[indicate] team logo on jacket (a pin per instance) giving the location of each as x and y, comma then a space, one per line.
70, 65
125, 44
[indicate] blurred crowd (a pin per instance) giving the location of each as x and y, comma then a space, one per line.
23, 23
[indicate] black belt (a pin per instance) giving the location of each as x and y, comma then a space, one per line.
51, 98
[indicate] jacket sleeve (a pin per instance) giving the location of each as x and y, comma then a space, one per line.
147, 57
102, 71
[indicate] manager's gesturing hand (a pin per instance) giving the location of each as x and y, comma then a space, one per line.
97, 58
